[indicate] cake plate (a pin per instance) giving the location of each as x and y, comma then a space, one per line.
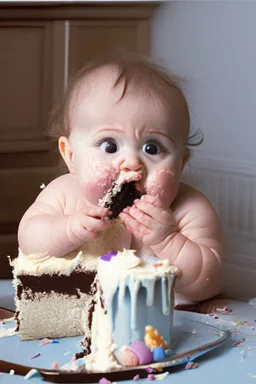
192, 340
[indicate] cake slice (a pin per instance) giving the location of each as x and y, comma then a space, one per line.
122, 193
133, 314
54, 296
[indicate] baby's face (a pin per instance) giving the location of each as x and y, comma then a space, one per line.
136, 134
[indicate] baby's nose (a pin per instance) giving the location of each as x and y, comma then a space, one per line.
131, 163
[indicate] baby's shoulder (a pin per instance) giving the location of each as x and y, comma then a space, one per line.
63, 182
189, 198
59, 188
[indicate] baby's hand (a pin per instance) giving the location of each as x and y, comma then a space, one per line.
84, 224
149, 220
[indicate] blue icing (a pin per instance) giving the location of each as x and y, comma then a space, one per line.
136, 303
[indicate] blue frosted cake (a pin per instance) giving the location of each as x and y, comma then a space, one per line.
133, 317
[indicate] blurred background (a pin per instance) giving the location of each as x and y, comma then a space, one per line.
208, 43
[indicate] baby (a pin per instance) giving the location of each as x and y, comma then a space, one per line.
127, 116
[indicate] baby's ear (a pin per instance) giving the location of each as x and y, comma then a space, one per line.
66, 152
186, 157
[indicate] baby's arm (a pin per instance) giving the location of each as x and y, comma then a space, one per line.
189, 235
53, 223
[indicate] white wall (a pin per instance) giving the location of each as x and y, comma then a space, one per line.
212, 45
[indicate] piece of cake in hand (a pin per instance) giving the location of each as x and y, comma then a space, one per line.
133, 314
123, 192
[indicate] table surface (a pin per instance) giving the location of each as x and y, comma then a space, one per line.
233, 361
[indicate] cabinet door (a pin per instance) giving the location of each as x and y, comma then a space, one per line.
27, 63
91, 37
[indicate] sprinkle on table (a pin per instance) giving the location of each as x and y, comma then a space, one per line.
151, 377
55, 365
161, 376
191, 365
239, 322
239, 343
224, 310
33, 372
137, 377
48, 341
104, 381
36, 355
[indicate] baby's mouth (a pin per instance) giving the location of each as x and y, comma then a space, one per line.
125, 189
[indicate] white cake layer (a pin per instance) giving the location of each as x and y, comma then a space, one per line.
53, 315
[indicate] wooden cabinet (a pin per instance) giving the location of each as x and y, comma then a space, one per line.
41, 46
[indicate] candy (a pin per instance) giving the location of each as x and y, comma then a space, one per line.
153, 338
108, 256
128, 357
143, 353
158, 354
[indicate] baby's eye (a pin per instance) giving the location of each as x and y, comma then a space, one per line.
109, 146
152, 148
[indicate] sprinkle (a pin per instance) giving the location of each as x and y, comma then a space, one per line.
137, 377
161, 376
42, 186
1, 374
12, 372
157, 265
252, 376
191, 365
108, 256
44, 342
239, 322
239, 343
36, 355
104, 381
151, 377
149, 369
33, 372
55, 365
48, 341
224, 310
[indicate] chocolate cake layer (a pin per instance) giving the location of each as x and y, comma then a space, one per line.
77, 280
